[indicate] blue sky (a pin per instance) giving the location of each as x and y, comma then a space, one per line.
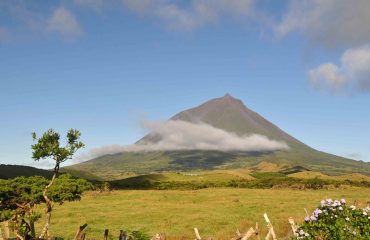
100, 66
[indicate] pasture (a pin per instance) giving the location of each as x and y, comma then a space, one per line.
216, 212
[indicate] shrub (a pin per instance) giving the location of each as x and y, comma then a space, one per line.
19, 197
137, 235
336, 220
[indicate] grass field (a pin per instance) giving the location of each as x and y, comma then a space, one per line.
216, 212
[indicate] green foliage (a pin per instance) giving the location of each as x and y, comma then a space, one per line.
154, 181
137, 235
27, 192
19, 196
260, 175
336, 220
48, 146
67, 188
20, 191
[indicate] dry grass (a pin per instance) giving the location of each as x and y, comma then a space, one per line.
310, 174
216, 212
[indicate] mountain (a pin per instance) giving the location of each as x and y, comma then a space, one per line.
231, 115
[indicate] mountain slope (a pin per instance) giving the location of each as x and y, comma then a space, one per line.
233, 116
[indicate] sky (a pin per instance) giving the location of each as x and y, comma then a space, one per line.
102, 66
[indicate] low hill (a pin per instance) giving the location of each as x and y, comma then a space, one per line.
12, 171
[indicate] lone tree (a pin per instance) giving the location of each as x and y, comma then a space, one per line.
48, 147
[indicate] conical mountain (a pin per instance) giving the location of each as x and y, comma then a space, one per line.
231, 115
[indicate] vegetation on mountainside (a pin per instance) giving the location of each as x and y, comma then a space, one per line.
122, 165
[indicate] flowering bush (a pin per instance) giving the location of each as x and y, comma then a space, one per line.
336, 220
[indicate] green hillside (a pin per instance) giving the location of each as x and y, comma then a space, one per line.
233, 116
124, 165
12, 171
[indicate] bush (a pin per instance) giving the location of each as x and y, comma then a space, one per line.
336, 220
19, 197
137, 235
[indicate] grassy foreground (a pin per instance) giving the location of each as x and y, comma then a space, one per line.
216, 212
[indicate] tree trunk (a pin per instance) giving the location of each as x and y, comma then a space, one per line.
45, 230
16, 227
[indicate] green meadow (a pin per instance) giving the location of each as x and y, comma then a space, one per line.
216, 212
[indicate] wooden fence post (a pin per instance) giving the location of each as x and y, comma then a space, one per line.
159, 236
257, 231
80, 235
106, 232
122, 235
271, 229
293, 226
197, 236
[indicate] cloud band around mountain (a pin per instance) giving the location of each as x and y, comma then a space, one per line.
181, 135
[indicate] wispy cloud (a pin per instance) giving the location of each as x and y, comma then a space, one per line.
28, 20
197, 14
64, 23
180, 135
357, 156
353, 72
329, 23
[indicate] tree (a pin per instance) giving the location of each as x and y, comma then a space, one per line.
19, 196
48, 147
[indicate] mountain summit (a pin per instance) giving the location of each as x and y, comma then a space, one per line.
229, 116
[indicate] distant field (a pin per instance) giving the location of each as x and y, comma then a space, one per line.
216, 212
309, 174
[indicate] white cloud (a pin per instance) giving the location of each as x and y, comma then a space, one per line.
180, 135
200, 12
328, 23
63, 22
43, 164
353, 71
